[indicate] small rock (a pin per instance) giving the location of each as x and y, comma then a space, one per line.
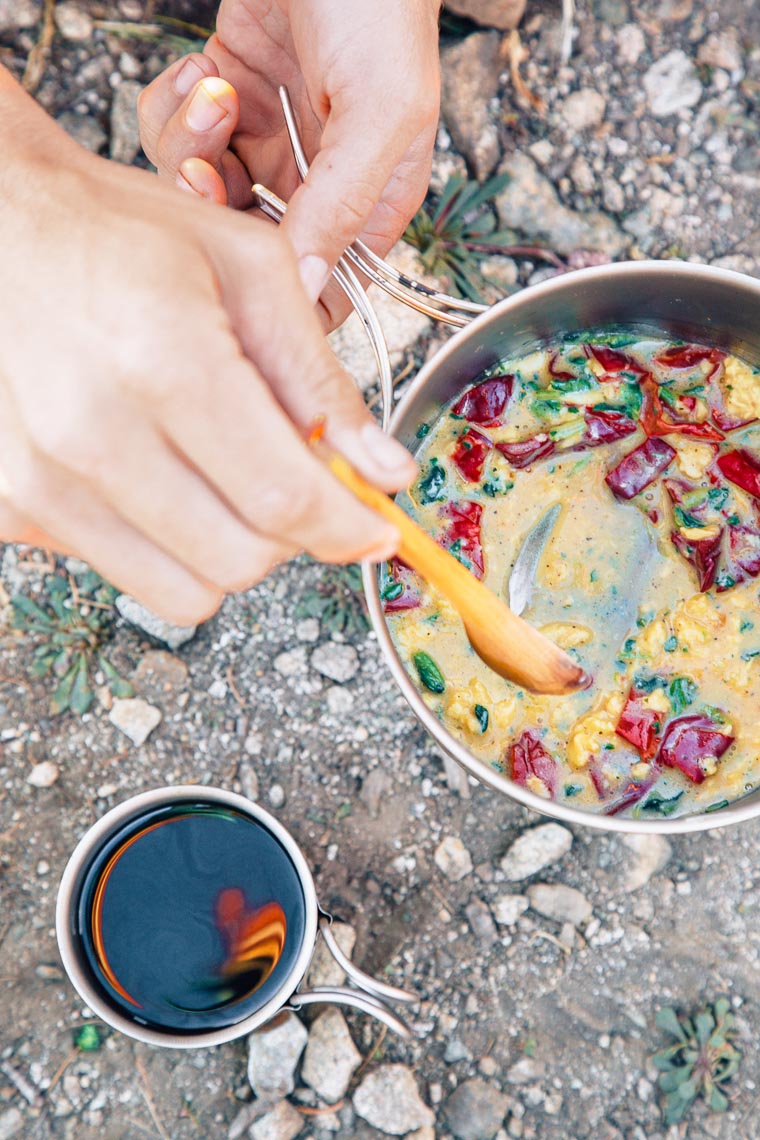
136, 614
125, 146
337, 662
502, 14
456, 776
249, 781
324, 970
525, 1070
283, 1122
331, 1058
456, 1050
73, 22
475, 1110
291, 663
158, 671
488, 1066
388, 1099
244, 1119
307, 629
135, 718
535, 849
631, 44
452, 858
563, 904
276, 795
83, 129
375, 788
18, 14
49, 973
427, 1132
672, 84
721, 49
508, 908
584, 109
339, 701
470, 80
650, 854
11, 1122
273, 1054
530, 204
43, 775
481, 922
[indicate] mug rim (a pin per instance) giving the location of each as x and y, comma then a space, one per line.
94, 838
616, 272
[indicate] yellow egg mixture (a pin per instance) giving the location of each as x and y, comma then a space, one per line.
649, 577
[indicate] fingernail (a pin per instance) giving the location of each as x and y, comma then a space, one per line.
314, 273
204, 112
187, 77
385, 450
185, 183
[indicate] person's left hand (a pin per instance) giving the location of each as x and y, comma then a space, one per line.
364, 81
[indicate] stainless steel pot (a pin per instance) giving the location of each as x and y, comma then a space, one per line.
366, 994
662, 298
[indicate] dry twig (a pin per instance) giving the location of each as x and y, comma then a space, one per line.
148, 1098
35, 64
517, 55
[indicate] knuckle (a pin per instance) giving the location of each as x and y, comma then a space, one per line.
70, 443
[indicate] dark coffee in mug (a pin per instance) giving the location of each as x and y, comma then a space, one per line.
190, 917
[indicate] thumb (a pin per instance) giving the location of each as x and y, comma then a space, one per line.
346, 180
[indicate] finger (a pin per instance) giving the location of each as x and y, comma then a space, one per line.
200, 178
76, 521
201, 127
165, 95
302, 371
15, 528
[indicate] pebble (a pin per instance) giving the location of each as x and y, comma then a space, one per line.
337, 662
672, 84
136, 614
525, 1070
389, 1099
283, 1122
502, 14
307, 629
508, 908
125, 135
475, 1110
721, 49
427, 1132
73, 22
49, 973
18, 14
481, 922
135, 718
291, 663
563, 904
276, 795
452, 858
631, 44
470, 70
249, 781
535, 849
375, 788
11, 1123
43, 775
158, 671
531, 205
273, 1054
456, 1050
584, 109
331, 1058
324, 970
83, 129
650, 854
339, 701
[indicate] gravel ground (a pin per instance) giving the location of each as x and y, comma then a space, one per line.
536, 1012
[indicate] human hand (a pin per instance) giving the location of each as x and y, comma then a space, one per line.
364, 81
153, 395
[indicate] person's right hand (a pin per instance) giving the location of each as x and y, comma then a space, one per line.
159, 365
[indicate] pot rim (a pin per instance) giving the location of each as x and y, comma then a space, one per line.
478, 768
96, 835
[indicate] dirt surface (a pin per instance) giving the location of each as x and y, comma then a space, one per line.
561, 1022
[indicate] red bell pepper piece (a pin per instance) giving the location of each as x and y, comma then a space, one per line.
633, 793
640, 726
528, 757
556, 372
689, 356
470, 454
726, 422
606, 789
611, 360
656, 422
689, 741
744, 547
605, 427
464, 530
640, 467
527, 451
741, 468
409, 598
484, 403
703, 554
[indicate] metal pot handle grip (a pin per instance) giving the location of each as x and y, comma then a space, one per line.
343, 995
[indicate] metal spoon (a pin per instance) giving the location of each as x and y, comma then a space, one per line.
523, 576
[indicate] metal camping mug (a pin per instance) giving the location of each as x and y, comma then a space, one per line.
366, 994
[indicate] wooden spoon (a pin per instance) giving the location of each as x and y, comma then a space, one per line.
507, 644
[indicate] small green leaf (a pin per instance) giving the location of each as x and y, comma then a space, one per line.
59, 702
429, 673
704, 1024
29, 609
432, 485
481, 715
667, 1020
81, 694
718, 1101
116, 683
682, 692
87, 1039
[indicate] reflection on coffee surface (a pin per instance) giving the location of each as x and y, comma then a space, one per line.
190, 917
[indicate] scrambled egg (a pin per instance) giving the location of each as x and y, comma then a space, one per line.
591, 732
741, 388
